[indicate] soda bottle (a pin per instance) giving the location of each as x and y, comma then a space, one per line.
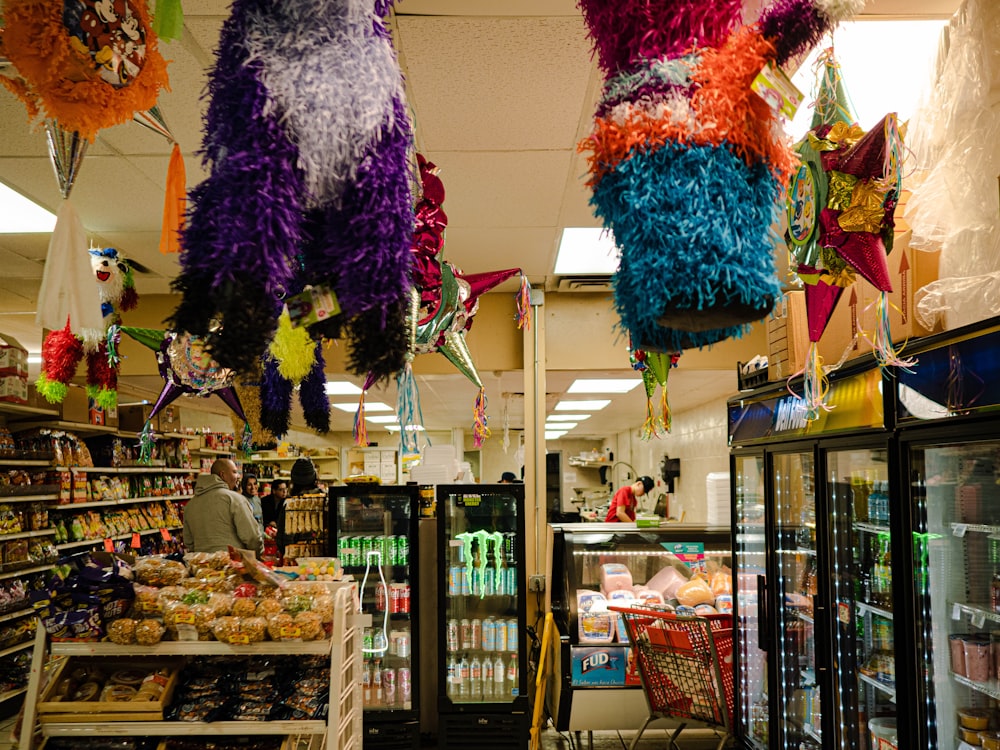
465, 634
452, 635
475, 679
512, 672
499, 674
463, 684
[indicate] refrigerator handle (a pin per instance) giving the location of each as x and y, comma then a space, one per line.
820, 664
762, 614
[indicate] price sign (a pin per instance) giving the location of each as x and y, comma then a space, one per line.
165, 533
959, 529
109, 546
136, 541
956, 612
978, 619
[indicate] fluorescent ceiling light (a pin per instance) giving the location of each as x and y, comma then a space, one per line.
603, 385
341, 388
584, 405
383, 419
369, 406
586, 250
18, 215
553, 435
565, 426
34, 359
409, 428
567, 417
863, 48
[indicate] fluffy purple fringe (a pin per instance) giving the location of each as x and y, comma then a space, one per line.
793, 26
312, 395
365, 249
625, 31
275, 400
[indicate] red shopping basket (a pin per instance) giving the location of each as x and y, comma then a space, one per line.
686, 666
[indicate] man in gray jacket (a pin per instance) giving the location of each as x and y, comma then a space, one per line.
218, 516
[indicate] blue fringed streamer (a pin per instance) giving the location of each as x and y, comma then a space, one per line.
147, 439
694, 227
409, 412
312, 395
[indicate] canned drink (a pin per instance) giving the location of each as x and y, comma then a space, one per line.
500, 639
367, 640
464, 583
476, 586
510, 581
465, 634
452, 635
476, 627
510, 547
402, 550
403, 645
512, 634
489, 634
380, 597
404, 597
389, 685
403, 685
455, 580
489, 580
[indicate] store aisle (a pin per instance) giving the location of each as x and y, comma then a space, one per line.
651, 738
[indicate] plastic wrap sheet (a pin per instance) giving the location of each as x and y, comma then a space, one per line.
955, 142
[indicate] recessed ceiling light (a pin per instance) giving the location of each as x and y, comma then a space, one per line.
584, 405
19, 215
553, 435
341, 388
383, 419
604, 385
369, 406
564, 426
586, 250
409, 428
567, 417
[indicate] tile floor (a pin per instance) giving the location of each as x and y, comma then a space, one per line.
651, 738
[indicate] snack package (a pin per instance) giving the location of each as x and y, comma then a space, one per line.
595, 624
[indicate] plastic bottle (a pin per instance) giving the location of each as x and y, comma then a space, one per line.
512, 672
453, 676
463, 684
487, 678
499, 676
475, 679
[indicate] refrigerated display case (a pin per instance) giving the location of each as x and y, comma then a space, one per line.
950, 447
810, 533
482, 643
594, 683
375, 535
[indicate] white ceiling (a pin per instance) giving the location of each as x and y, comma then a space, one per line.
500, 92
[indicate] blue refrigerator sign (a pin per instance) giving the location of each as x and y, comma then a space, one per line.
599, 666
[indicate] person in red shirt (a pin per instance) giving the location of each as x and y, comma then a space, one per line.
624, 502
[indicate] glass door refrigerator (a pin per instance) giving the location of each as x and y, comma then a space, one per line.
808, 632
950, 444
374, 533
482, 644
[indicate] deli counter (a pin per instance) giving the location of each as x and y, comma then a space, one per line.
595, 684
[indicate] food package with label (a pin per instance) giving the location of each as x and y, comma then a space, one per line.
667, 581
595, 623
615, 577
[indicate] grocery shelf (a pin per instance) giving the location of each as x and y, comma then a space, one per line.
182, 728
961, 529
113, 538
11, 694
871, 528
23, 646
978, 614
865, 607
889, 690
991, 688
26, 534
190, 648
24, 462
31, 411
26, 571
27, 609
79, 428
26, 498
123, 501
125, 470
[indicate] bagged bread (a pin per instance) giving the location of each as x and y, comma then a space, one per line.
721, 582
615, 577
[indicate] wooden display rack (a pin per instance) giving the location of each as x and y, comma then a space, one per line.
340, 731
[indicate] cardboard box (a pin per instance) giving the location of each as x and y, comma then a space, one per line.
787, 336
856, 312
14, 389
13, 357
76, 406
133, 418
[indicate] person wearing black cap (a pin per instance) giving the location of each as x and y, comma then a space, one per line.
624, 502
507, 478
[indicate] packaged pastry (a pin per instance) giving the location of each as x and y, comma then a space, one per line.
244, 608
149, 632
122, 631
88, 691
133, 677
117, 693
268, 607
310, 625
237, 630
159, 571
282, 627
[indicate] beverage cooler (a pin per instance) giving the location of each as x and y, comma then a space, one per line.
815, 534
374, 532
950, 446
481, 638
594, 684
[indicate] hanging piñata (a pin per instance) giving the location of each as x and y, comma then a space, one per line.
655, 369
688, 158
309, 184
63, 349
442, 307
841, 203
